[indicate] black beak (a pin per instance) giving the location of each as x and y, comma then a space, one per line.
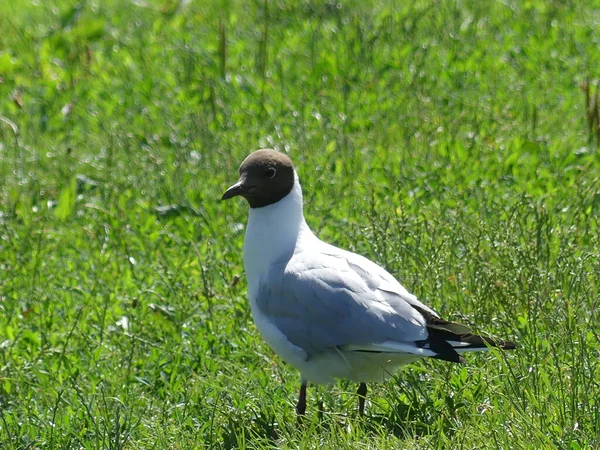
237, 189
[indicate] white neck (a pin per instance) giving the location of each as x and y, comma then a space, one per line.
272, 232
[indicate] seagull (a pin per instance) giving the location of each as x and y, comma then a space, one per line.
328, 312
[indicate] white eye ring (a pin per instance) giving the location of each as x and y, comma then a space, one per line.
271, 172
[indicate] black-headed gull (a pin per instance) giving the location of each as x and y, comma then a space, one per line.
330, 313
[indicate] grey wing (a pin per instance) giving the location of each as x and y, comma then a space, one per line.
323, 302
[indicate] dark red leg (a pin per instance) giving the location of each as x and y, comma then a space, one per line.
301, 406
362, 395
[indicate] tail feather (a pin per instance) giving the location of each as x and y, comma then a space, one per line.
435, 346
448, 339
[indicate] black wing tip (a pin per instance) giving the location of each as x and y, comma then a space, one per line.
477, 341
507, 345
449, 355
441, 342
442, 333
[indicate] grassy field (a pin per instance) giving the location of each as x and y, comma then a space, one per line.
448, 140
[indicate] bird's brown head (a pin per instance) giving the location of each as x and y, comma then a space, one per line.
266, 176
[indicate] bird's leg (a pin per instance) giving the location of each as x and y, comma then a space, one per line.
362, 395
301, 406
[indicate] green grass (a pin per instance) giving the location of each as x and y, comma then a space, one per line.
447, 140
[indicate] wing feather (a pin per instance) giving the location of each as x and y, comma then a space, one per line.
329, 301
331, 298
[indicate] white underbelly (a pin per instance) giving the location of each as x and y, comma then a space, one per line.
354, 366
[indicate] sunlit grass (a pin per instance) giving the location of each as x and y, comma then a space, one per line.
448, 141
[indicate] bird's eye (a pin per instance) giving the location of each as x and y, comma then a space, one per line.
270, 172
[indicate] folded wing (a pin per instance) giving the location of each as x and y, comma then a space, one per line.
340, 299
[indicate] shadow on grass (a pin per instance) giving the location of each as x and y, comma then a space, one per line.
403, 420
410, 420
